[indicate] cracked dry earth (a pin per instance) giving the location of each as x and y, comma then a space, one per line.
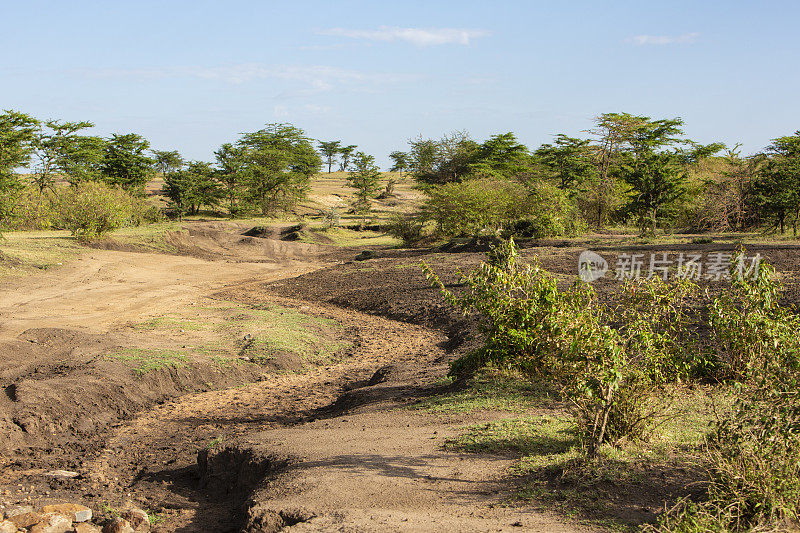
337, 447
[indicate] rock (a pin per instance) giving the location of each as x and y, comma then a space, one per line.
14, 510
118, 525
73, 511
25, 519
52, 523
7, 526
137, 518
63, 474
84, 527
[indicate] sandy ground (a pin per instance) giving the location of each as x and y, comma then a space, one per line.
328, 449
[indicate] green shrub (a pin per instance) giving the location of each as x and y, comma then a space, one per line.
407, 227
754, 451
551, 213
610, 375
476, 205
92, 209
33, 208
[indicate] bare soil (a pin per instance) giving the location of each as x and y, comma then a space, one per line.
328, 445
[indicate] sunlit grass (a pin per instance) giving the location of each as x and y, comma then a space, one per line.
22, 252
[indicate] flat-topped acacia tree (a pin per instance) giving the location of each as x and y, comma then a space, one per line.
277, 163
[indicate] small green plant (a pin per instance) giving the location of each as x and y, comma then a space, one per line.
331, 218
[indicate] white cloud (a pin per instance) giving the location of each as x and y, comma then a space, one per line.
415, 36
299, 80
686, 38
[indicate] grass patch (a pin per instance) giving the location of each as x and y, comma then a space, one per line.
144, 361
277, 329
148, 236
347, 237
534, 436
169, 322
491, 390
22, 252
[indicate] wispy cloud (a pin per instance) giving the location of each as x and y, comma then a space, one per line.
660, 40
415, 36
300, 80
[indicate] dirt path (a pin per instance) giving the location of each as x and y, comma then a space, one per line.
333, 448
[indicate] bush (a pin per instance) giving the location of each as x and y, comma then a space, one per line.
754, 451
609, 374
409, 228
476, 205
552, 213
33, 209
92, 209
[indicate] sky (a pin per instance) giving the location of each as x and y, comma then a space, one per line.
191, 75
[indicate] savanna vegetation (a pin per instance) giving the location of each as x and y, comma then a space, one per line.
618, 361
628, 170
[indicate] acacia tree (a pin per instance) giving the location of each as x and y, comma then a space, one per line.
653, 173
17, 142
82, 159
435, 162
656, 181
57, 145
568, 159
125, 163
346, 152
364, 178
189, 189
330, 149
166, 161
612, 133
230, 166
278, 162
400, 160
500, 156
777, 189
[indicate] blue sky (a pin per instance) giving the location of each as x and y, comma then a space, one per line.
190, 75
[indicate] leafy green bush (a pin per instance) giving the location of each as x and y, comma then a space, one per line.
407, 227
609, 374
92, 209
476, 205
754, 451
32, 208
552, 213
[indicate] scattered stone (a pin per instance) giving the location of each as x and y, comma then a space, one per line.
14, 510
118, 525
137, 518
85, 527
25, 519
73, 511
52, 523
63, 474
7, 526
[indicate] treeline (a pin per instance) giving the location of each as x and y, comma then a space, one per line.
628, 169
